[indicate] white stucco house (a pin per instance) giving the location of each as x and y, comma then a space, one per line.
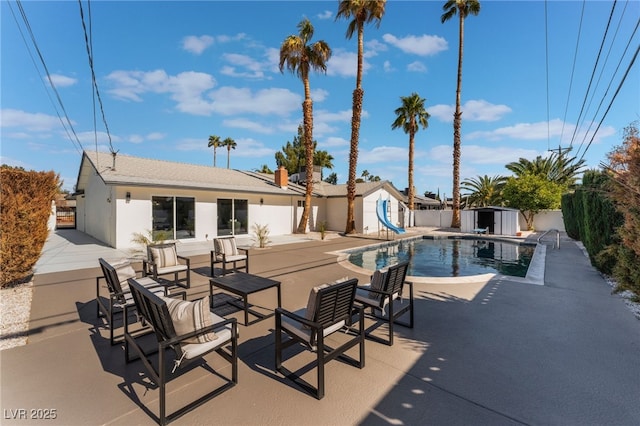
119, 195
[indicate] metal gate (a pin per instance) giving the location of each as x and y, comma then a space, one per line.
65, 218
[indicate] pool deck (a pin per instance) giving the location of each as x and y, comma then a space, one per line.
491, 352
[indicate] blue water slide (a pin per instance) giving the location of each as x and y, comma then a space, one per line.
381, 211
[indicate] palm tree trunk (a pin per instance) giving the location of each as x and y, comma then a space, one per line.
214, 156
353, 161
307, 108
411, 192
228, 154
358, 95
457, 123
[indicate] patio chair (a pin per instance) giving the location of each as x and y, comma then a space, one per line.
163, 259
190, 331
383, 297
330, 309
116, 275
226, 251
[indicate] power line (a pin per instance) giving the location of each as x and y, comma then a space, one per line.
93, 74
573, 68
612, 99
46, 69
612, 76
586, 95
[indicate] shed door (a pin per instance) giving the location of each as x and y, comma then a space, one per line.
485, 219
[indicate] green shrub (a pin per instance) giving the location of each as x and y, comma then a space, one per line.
25, 208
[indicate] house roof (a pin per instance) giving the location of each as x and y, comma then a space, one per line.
136, 171
362, 189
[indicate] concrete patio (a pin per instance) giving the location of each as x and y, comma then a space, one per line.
496, 352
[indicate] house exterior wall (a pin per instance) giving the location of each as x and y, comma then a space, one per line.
97, 210
136, 216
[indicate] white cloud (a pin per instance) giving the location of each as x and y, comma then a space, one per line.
30, 121
417, 66
382, 154
135, 138
255, 68
154, 136
195, 44
472, 110
333, 141
525, 131
387, 67
62, 80
186, 88
251, 125
319, 95
343, 64
233, 101
327, 14
424, 45
372, 47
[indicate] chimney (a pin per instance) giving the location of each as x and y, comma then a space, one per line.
282, 177
113, 154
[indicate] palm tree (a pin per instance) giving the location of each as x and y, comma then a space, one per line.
323, 159
555, 168
214, 141
462, 8
483, 191
299, 57
410, 116
362, 12
230, 144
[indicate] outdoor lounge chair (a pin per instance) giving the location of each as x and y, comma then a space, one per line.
116, 275
190, 331
330, 309
225, 251
163, 259
383, 297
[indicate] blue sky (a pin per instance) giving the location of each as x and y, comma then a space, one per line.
172, 73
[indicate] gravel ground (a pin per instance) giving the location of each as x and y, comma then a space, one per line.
15, 309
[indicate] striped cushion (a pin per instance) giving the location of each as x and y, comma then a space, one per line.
228, 246
164, 256
191, 316
124, 270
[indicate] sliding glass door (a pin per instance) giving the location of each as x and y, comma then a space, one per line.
173, 218
233, 216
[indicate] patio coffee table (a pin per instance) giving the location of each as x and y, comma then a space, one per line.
243, 284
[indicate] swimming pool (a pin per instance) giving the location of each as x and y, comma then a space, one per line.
449, 257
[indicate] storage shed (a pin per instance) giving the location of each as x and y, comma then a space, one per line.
499, 220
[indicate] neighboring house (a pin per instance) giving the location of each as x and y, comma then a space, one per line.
119, 195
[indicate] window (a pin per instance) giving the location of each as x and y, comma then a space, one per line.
173, 217
233, 216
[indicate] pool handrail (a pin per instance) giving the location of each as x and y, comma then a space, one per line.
557, 243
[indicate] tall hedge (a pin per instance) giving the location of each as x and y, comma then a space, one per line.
591, 217
25, 207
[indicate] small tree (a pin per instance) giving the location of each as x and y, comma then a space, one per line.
531, 193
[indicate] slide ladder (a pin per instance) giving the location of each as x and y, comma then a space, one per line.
381, 211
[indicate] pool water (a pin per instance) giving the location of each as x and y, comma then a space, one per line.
449, 257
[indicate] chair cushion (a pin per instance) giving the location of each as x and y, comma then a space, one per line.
227, 246
164, 256
378, 281
224, 334
172, 269
191, 316
124, 270
303, 332
310, 312
232, 258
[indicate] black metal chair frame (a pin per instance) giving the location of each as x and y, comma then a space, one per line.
118, 301
151, 268
155, 313
394, 284
333, 305
215, 258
